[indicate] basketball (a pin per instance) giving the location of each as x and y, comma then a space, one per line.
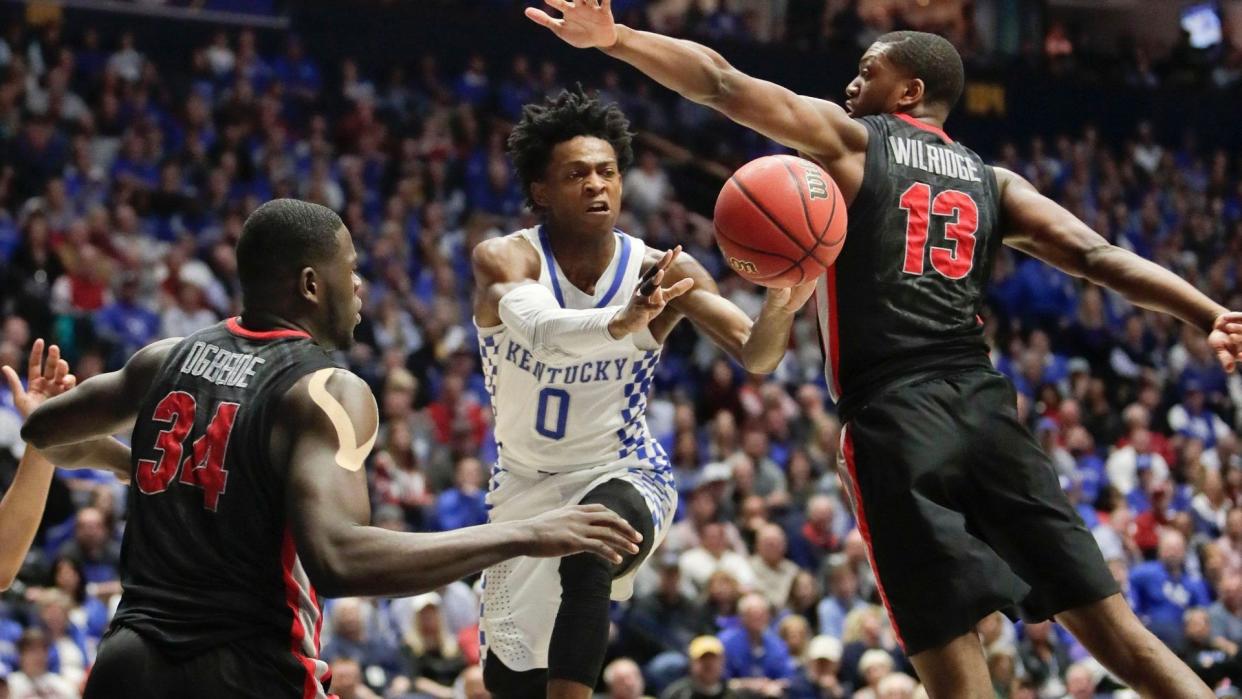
780, 221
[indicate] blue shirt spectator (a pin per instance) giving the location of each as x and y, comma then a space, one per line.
752, 649
464, 504
1163, 589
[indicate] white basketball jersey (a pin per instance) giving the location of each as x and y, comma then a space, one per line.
575, 414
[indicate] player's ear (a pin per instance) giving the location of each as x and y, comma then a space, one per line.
913, 92
309, 284
539, 194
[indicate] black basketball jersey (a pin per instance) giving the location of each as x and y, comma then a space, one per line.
903, 299
207, 556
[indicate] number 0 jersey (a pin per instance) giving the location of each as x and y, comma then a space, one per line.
207, 556
575, 414
902, 300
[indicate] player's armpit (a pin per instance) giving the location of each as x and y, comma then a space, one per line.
101, 406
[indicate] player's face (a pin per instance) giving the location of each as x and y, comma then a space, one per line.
342, 304
581, 190
879, 88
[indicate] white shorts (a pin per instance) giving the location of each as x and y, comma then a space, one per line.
522, 596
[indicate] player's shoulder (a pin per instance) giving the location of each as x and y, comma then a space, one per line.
329, 390
501, 256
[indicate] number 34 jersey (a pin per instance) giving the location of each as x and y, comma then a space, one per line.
903, 300
570, 414
207, 556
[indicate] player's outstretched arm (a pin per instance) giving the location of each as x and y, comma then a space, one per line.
101, 406
759, 344
817, 127
327, 427
1044, 229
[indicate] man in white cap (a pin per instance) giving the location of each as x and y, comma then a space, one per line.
818, 678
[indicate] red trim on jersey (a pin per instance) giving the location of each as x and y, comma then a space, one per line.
847, 451
234, 326
311, 688
924, 126
834, 334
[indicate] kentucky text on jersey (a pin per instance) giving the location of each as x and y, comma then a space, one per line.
219, 366
931, 158
586, 372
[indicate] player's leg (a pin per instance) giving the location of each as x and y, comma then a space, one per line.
904, 470
1115, 636
1019, 509
956, 670
505, 683
580, 633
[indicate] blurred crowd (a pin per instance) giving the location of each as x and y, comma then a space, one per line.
124, 182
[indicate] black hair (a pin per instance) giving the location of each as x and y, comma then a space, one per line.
559, 119
279, 239
931, 58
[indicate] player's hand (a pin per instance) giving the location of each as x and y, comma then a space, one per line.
1226, 339
578, 529
790, 300
649, 298
43, 379
584, 24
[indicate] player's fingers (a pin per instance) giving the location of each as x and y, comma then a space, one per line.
1226, 359
69, 381
655, 284
614, 540
1229, 317
34, 365
15, 383
678, 289
559, 5
618, 523
673, 254
62, 370
543, 19
53, 359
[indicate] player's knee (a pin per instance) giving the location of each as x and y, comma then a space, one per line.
625, 500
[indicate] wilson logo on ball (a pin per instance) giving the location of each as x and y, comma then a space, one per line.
745, 266
814, 183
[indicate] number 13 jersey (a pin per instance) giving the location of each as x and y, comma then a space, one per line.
903, 300
567, 415
208, 557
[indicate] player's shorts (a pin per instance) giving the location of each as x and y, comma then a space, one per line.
129, 665
962, 511
521, 596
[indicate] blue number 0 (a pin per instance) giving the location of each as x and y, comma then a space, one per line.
562, 412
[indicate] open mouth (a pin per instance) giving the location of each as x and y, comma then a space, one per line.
598, 207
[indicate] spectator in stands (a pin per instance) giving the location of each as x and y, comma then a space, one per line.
33, 679
841, 600
1213, 658
817, 677
774, 574
873, 667
660, 625
1044, 658
1164, 589
347, 680
1226, 612
624, 680
707, 673
126, 324
93, 547
647, 186
352, 639
754, 655
463, 505
712, 554
432, 657
796, 633
898, 685
1080, 682
1192, 419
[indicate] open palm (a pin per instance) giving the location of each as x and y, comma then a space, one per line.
583, 24
43, 379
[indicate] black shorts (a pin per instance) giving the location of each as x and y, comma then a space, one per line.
962, 512
130, 665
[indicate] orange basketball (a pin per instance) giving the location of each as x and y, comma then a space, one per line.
780, 221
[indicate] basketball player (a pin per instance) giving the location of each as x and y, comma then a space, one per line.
961, 509
249, 496
570, 331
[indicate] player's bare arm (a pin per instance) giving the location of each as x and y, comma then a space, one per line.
819, 128
758, 344
1044, 229
101, 406
506, 271
330, 511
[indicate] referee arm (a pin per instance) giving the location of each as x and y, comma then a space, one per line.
1045, 230
327, 426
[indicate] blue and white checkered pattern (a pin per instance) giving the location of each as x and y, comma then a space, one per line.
489, 351
633, 434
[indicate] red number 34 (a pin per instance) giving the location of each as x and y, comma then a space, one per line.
204, 468
953, 263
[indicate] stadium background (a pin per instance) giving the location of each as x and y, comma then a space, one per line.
135, 137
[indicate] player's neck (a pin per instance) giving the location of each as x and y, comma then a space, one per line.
581, 256
263, 320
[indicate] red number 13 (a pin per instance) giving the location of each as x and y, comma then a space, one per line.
953, 263
204, 467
